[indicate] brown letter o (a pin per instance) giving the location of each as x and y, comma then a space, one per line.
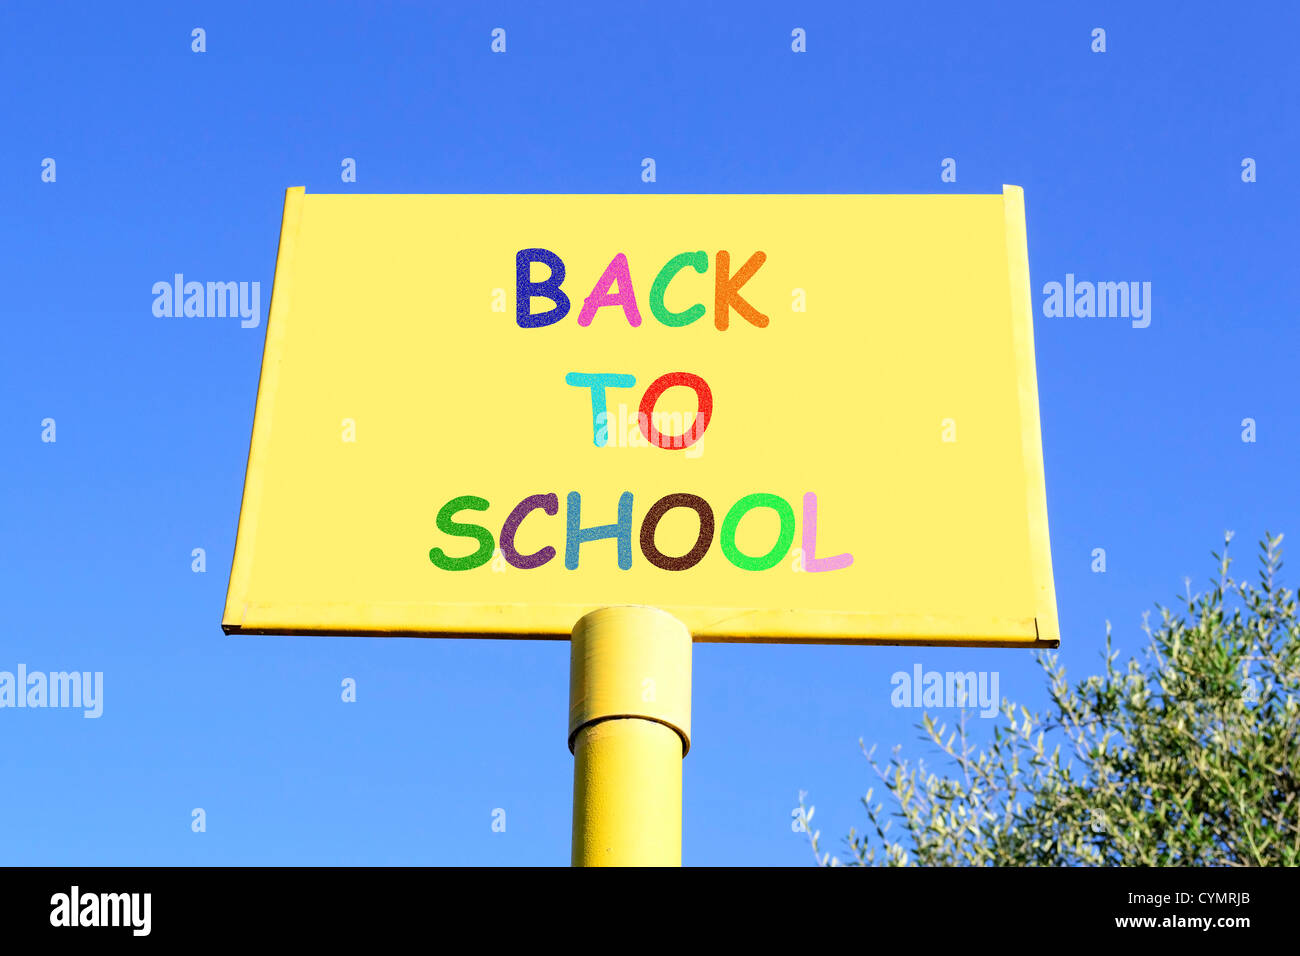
651, 522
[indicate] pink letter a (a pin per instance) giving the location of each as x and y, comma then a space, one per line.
600, 296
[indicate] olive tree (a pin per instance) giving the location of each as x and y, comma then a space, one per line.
1185, 756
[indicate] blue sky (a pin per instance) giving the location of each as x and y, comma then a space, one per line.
172, 161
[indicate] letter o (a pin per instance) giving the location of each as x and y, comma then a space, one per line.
727, 539
651, 522
702, 415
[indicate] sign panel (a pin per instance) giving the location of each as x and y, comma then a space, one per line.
780, 418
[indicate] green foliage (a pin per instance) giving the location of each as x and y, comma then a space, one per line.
1185, 758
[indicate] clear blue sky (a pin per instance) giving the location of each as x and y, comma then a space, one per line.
170, 161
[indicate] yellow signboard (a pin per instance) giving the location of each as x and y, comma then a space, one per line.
778, 418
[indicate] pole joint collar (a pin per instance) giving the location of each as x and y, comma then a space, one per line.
630, 662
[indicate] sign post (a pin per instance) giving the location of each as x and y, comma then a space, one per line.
629, 729
719, 418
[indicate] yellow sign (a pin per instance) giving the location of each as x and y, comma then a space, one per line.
778, 418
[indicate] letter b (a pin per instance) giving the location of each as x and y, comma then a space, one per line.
526, 288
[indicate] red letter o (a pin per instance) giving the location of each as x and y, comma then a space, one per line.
702, 416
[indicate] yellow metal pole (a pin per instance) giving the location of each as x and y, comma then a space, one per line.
629, 728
